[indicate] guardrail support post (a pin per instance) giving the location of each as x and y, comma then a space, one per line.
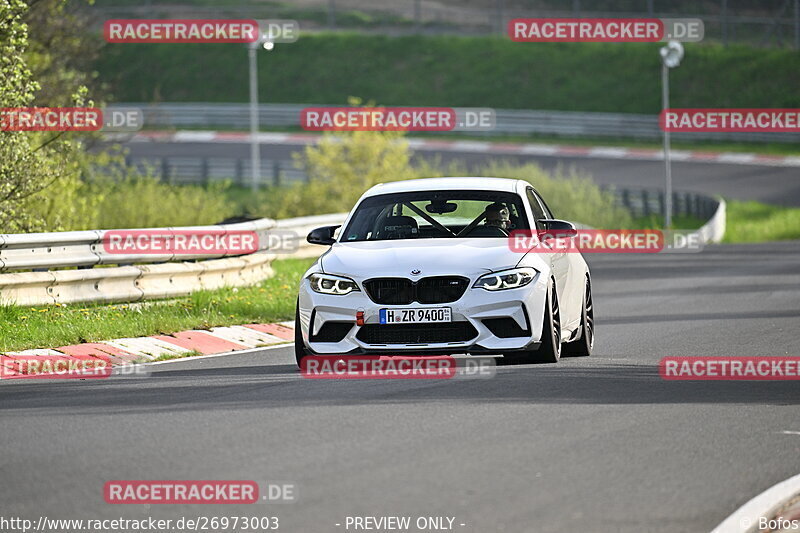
204, 170
797, 24
165, 173
239, 172
276, 173
724, 21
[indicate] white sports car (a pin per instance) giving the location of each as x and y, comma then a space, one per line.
425, 267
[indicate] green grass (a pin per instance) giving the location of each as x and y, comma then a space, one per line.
745, 222
679, 222
51, 326
171, 356
758, 222
327, 68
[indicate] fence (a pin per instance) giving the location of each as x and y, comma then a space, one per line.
766, 23
647, 202
204, 170
507, 122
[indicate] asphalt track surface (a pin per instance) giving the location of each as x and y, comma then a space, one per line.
589, 444
771, 184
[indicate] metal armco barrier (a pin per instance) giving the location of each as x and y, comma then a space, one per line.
167, 276
646, 202
508, 121
714, 229
29, 251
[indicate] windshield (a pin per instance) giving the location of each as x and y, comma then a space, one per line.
436, 214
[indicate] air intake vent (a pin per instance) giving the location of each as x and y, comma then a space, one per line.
416, 333
402, 291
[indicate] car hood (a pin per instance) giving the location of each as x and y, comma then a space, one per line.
469, 257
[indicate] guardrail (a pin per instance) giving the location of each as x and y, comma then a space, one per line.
49, 257
195, 170
508, 121
30, 251
646, 202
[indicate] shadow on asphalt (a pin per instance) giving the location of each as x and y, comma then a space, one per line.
281, 386
694, 317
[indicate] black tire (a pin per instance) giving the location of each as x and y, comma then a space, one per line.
550, 347
582, 347
300, 350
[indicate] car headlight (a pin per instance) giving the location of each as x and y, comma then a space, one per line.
506, 279
328, 284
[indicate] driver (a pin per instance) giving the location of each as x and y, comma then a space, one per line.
497, 215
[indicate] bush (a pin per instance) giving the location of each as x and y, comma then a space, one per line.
143, 201
569, 194
342, 168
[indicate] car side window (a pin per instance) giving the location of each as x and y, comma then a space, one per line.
538, 212
547, 212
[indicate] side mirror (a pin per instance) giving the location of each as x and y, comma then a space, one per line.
558, 229
323, 235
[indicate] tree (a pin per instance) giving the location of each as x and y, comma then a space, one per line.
24, 169
40, 172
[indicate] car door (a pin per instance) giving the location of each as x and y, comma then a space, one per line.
560, 260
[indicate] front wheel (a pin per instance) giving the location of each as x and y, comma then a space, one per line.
582, 347
550, 347
300, 350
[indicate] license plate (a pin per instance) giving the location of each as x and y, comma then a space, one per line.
415, 316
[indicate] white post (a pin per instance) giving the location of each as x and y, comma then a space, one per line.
255, 152
668, 188
671, 56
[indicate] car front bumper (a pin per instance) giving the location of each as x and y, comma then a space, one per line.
524, 305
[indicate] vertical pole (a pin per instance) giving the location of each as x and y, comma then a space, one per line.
724, 16
797, 24
255, 152
331, 14
417, 15
650, 8
499, 8
276, 173
668, 188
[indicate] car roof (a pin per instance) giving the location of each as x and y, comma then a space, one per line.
443, 184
